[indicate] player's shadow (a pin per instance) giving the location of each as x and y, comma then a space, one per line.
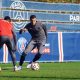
25, 77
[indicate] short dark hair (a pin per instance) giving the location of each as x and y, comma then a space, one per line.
32, 16
7, 18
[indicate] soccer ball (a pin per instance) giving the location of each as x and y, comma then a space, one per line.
35, 66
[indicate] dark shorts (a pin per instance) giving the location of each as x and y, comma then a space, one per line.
7, 41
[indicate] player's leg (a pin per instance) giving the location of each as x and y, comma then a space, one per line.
28, 48
40, 48
10, 46
29, 65
38, 55
1, 41
1, 44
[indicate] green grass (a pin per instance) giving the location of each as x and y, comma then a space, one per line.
47, 71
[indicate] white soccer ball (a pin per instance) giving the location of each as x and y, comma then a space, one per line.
35, 66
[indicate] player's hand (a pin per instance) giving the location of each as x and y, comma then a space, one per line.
20, 32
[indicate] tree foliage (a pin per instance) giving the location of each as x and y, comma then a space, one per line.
58, 1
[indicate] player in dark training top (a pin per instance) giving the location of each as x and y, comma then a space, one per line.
38, 33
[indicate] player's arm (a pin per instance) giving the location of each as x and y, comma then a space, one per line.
14, 38
45, 29
23, 30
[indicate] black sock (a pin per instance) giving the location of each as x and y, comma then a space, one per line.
22, 59
37, 56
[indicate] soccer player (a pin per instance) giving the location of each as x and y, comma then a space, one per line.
38, 32
8, 37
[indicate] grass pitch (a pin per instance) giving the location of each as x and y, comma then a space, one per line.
47, 71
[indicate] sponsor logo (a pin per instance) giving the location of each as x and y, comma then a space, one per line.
21, 44
17, 14
74, 17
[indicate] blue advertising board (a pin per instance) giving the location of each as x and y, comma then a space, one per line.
60, 47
